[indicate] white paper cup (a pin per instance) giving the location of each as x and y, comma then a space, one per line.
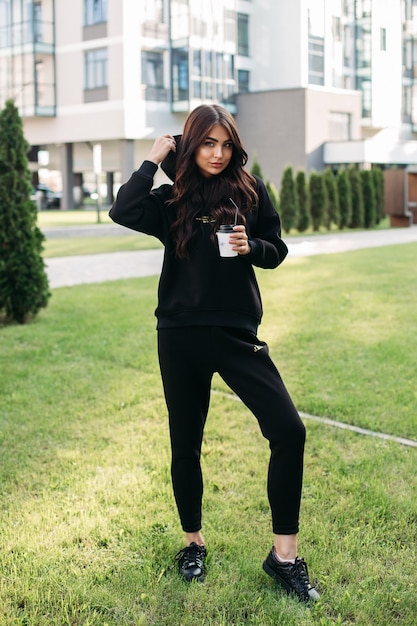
223, 235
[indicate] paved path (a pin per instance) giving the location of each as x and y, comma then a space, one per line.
97, 268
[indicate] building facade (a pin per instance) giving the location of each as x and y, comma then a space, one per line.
311, 82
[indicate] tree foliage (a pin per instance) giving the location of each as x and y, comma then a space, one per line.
304, 217
273, 193
318, 199
256, 169
288, 200
345, 198
23, 280
378, 177
369, 203
333, 210
357, 219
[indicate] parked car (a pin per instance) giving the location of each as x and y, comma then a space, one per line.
46, 198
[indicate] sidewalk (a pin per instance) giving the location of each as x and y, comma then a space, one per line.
97, 268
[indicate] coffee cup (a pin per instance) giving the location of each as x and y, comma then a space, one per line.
223, 235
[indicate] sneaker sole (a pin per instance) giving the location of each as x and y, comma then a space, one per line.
314, 595
198, 579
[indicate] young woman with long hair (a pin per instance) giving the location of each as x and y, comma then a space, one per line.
208, 313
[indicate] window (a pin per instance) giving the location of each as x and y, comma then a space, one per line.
364, 85
383, 38
348, 8
243, 34
243, 81
407, 104
96, 69
153, 75
364, 46
154, 11
316, 61
180, 88
95, 12
336, 28
316, 44
229, 25
363, 8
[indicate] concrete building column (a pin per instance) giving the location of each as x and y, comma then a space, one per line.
127, 158
109, 184
67, 158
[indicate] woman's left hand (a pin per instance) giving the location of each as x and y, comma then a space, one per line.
239, 240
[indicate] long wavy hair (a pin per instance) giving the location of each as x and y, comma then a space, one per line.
193, 192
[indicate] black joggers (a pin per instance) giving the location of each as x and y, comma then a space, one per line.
188, 358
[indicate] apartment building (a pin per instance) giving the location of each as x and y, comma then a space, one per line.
310, 81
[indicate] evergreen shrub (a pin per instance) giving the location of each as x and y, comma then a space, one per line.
288, 200
304, 216
345, 198
318, 199
24, 288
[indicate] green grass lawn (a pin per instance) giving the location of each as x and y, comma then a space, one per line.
80, 217
96, 245
88, 527
67, 246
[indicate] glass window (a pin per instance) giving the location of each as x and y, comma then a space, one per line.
229, 25
96, 69
208, 63
153, 76
243, 34
219, 65
364, 84
5, 25
316, 61
154, 11
153, 69
196, 89
243, 81
180, 89
336, 28
228, 64
95, 12
197, 62
383, 38
316, 43
407, 104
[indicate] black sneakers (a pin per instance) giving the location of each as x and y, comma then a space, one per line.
292, 576
191, 562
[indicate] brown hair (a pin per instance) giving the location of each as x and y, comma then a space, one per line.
192, 190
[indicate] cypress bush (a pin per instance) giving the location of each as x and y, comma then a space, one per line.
357, 219
273, 194
288, 201
318, 199
345, 198
378, 177
24, 285
256, 168
304, 217
333, 209
368, 191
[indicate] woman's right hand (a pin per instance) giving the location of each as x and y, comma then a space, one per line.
161, 147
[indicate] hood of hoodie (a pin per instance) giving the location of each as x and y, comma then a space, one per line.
169, 164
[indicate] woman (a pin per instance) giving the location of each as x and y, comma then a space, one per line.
208, 312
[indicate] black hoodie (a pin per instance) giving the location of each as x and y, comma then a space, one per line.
206, 289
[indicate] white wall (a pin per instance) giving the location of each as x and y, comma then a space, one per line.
279, 44
386, 66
